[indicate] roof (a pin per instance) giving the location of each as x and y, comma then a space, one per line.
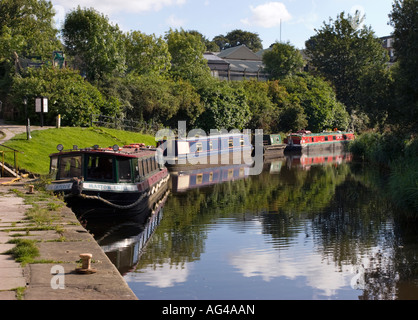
239, 53
247, 66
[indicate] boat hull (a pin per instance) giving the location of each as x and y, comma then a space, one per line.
97, 198
317, 147
193, 162
89, 204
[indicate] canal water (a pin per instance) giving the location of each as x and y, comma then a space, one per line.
306, 228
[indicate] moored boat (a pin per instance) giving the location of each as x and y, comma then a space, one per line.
305, 140
273, 146
206, 151
107, 180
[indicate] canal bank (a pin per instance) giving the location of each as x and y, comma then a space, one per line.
60, 238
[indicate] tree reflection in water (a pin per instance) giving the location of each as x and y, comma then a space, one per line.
340, 206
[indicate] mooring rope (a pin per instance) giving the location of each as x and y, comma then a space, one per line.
120, 207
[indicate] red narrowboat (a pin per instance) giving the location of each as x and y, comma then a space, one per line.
327, 140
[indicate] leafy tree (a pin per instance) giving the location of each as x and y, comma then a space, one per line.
282, 60
210, 45
404, 19
96, 46
152, 98
186, 49
225, 107
26, 27
26, 30
146, 53
239, 37
319, 102
290, 115
343, 53
68, 95
264, 113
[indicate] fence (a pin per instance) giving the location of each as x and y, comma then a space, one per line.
124, 124
5, 171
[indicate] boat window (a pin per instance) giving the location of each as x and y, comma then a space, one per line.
53, 168
125, 173
70, 167
99, 168
136, 166
210, 145
230, 143
242, 142
199, 147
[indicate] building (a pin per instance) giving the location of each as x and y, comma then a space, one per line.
236, 63
387, 43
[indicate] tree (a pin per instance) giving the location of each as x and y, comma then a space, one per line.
26, 27
404, 19
26, 30
282, 60
239, 37
68, 95
319, 102
343, 53
186, 50
226, 107
264, 113
146, 53
96, 46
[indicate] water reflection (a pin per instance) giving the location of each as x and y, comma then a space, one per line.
306, 228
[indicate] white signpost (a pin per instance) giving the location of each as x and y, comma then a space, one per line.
41, 106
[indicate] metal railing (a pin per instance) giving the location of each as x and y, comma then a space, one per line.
123, 124
15, 160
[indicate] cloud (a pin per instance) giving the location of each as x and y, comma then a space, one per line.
114, 6
268, 15
174, 22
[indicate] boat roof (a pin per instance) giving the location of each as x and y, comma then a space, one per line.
308, 133
133, 151
210, 137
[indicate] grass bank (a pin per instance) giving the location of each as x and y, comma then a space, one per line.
400, 156
35, 157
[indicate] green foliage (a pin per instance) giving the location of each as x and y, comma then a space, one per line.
68, 95
398, 154
146, 53
186, 50
239, 37
264, 113
226, 107
96, 46
282, 60
404, 19
343, 53
25, 250
319, 102
26, 27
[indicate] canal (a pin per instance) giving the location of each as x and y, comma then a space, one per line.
304, 229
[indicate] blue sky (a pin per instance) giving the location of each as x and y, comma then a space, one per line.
214, 17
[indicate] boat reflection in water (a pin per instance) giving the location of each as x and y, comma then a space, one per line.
182, 181
305, 161
123, 240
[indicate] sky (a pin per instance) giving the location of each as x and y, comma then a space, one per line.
291, 21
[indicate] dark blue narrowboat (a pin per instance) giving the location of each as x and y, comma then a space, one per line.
107, 180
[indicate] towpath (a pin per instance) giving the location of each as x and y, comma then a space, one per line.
60, 240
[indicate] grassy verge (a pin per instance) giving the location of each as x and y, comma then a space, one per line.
400, 156
35, 157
